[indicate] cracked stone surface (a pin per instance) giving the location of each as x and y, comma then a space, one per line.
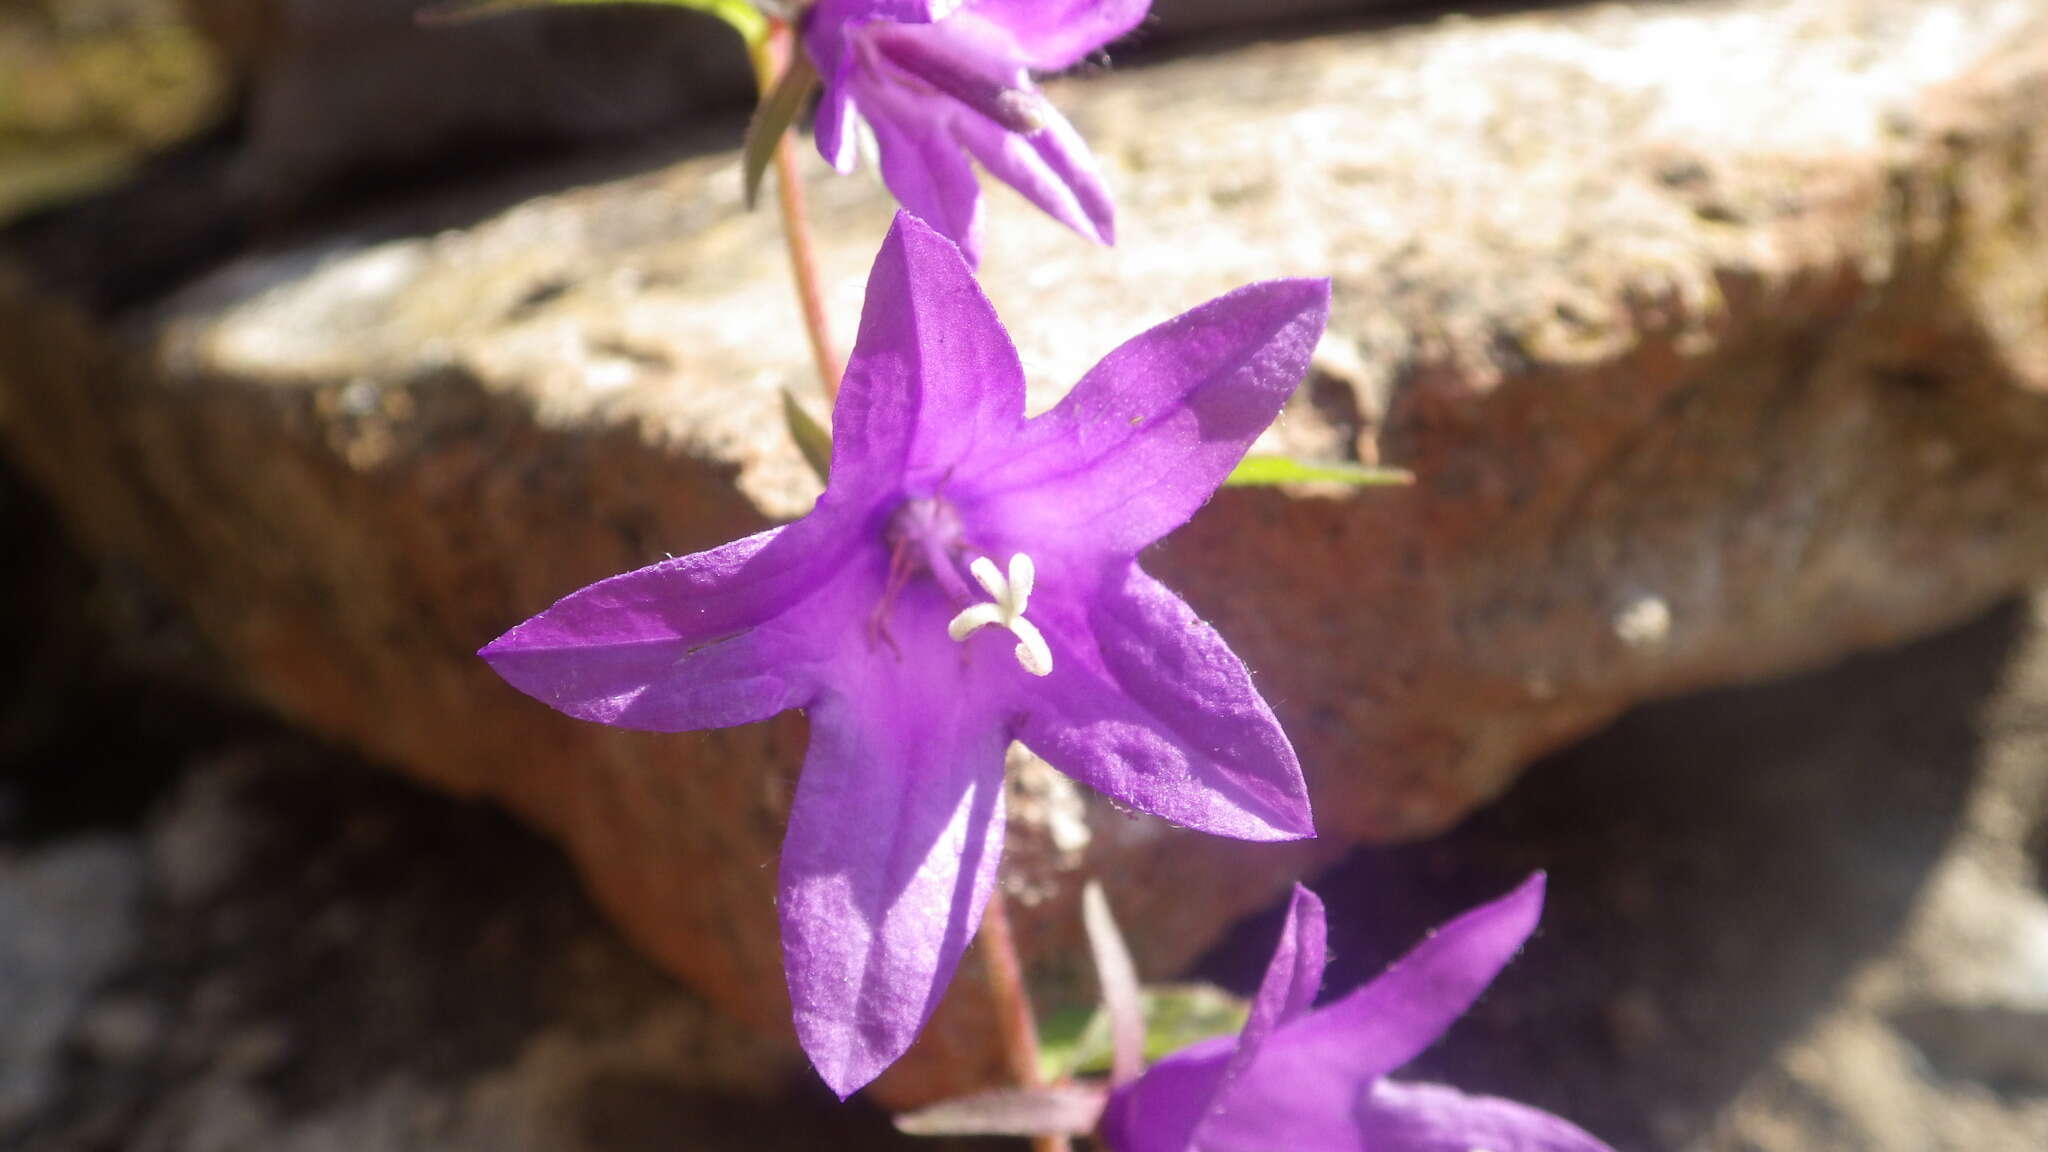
1711, 331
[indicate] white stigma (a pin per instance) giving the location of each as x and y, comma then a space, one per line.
1011, 597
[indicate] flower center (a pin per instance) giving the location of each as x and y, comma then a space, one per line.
925, 533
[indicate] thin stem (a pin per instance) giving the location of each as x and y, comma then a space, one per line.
770, 59
1014, 1019
803, 264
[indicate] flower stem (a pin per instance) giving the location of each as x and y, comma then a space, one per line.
771, 56
1014, 1019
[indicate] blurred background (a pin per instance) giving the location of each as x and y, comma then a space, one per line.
1715, 332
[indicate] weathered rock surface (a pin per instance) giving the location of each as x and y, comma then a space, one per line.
1712, 333
66, 920
312, 958
1783, 918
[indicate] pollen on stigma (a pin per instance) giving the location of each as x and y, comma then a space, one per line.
1011, 596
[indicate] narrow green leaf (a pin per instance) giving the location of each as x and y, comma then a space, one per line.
811, 439
1262, 471
778, 110
744, 17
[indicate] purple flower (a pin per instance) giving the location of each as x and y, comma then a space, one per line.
940, 80
968, 577
1313, 1080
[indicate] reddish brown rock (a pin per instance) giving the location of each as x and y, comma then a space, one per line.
1712, 333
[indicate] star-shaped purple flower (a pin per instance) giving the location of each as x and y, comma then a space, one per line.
940, 80
1313, 1080
967, 578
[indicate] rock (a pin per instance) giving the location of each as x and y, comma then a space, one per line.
336, 90
120, 1029
1753, 893
67, 920
471, 1000
197, 844
1975, 1002
2003, 1047
1709, 331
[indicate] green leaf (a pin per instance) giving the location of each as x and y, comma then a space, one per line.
1263, 471
744, 17
811, 438
1061, 1033
778, 110
1075, 1041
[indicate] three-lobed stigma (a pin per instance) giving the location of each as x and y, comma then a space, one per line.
1011, 596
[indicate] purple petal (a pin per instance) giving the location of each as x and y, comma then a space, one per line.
826, 22
1293, 976
693, 642
1389, 1022
924, 168
1160, 1111
835, 126
1056, 34
895, 11
1312, 1072
894, 838
1144, 439
1434, 1118
1163, 1109
932, 373
1147, 705
967, 60
1051, 167
824, 33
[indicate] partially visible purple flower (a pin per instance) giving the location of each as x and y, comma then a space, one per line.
941, 80
1314, 1080
967, 578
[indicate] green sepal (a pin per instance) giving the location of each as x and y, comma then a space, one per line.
811, 438
742, 15
1264, 471
1075, 1041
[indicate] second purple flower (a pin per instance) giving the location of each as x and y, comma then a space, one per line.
940, 81
1303, 1079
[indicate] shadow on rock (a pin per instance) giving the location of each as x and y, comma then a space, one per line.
1719, 867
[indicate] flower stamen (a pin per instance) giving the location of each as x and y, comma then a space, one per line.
1011, 596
